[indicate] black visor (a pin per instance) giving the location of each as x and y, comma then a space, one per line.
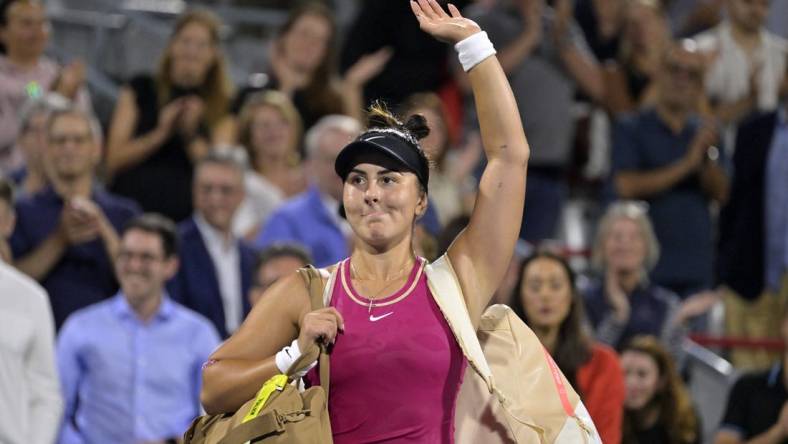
394, 146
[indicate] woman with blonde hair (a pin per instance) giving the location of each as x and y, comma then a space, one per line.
270, 131
163, 123
622, 302
657, 408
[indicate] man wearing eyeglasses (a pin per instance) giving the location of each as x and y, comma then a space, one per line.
130, 366
667, 156
216, 267
66, 234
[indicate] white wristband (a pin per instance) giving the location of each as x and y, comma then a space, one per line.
474, 49
287, 356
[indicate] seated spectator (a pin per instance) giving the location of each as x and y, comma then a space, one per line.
312, 218
216, 267
29, 387
302, 63
623, 303
452, 187
274, 262
130, 367
26, 73
752, 260
547, 60
269, 129
748, 62
32, 139
163, 124
757, 410
66, 234
545, 297
658, 408
666, 156
629, 81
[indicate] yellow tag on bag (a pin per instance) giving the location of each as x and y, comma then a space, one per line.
277, 382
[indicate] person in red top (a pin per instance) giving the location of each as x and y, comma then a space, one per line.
546, 298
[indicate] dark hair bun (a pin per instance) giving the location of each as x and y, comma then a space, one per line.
417, 125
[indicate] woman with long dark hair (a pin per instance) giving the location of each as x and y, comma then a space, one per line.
303, 66
396, 367
546, 299
658, 409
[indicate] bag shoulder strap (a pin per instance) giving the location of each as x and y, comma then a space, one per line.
313, 279
446, 291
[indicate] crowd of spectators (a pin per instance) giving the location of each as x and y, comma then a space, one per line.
127, 253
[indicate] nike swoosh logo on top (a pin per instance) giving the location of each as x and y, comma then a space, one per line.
374, 318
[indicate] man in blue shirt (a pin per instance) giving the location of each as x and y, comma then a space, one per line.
312, 218
67, 232
666, 156
130, 367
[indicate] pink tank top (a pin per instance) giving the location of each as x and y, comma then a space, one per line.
396, 370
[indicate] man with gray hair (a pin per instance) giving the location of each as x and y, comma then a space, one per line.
216, 266
66, 235
312, 218
31, 141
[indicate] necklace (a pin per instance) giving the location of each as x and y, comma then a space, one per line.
390, 281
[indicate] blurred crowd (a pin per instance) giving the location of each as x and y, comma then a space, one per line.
128, 252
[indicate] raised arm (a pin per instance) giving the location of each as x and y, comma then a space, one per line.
482, 252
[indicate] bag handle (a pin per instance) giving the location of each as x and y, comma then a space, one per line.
314, 282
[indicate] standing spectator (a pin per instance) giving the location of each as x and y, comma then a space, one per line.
658, 409
546, 58
629, 82
274, 262
666, 156
749, 62
546, 298
215, 270
26, 73
303, 66
753, 246
163, 124
312, 218
66, 235
418, 63
29, 388
623, 303
32, 139
130, 366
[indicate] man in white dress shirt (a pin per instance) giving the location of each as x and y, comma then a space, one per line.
29, 389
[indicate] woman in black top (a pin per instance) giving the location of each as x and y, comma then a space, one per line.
163, 123
657, 407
